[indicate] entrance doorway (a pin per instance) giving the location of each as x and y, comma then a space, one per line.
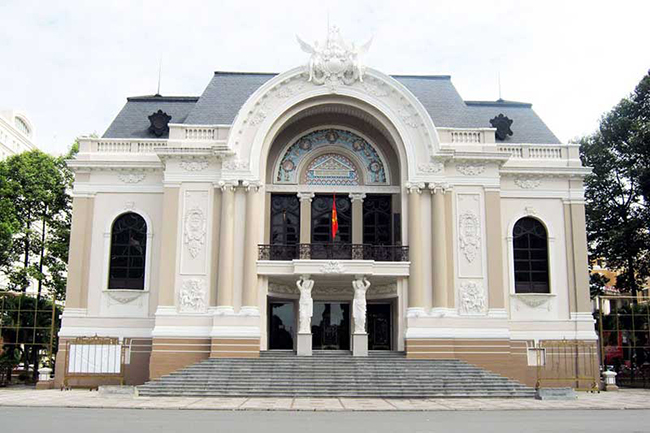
379, 326
330, 326
282, 322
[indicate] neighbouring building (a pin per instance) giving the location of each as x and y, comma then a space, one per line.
203, 225
16, 133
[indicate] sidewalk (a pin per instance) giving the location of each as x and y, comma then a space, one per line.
624, 399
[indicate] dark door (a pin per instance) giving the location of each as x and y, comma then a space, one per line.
379, 326
281, 325
330, 326
377, 224
285, 226
323, 245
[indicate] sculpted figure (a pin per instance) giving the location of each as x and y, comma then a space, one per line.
359, 304
306, 304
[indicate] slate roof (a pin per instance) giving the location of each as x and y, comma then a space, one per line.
133, 120
228, 91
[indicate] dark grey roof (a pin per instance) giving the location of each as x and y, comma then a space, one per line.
133, 120
228, 91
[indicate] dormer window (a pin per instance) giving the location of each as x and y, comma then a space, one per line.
21, 125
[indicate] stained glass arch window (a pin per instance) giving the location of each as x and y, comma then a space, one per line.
530, 247
128, 252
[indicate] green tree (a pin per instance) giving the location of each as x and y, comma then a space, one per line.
618, 189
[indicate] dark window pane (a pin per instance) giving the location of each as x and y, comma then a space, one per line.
128, 249
530, 243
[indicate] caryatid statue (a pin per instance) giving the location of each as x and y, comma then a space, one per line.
306, 304
359, 304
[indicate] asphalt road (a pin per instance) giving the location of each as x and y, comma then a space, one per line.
70, 420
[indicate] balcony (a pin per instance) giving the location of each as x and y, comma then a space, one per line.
334, 251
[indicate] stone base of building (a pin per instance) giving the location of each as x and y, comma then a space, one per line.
235, 348
138, 352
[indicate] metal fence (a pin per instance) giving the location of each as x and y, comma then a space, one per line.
624, 331
29, 324
567, 363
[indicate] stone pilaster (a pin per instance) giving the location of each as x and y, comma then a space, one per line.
576, 240
305, 216
439, 246
416, 278
216, 229
79, 252
496, 285
169, 239
357, 217
226, 249
252, 239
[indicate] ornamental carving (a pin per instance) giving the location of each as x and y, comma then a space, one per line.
471, 169
335, 62
282, 289
195, 230
191, 298
408, 115
527, 183
469, 235
235, 164
332, 267
124, 297
378, 90
472, 298
534, 300
431, 168
332, 291
388, 289
199, 165
131, 177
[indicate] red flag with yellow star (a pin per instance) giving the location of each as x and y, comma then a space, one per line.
335, 220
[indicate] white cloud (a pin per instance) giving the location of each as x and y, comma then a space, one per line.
71, 64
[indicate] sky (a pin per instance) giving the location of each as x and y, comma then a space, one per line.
69, 65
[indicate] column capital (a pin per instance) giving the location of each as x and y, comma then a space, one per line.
415, 187
253, 186
306, 196
357, 196
227, 185
439, 187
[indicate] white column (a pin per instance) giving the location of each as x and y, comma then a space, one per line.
252, 237
226, 249
416, 280
439, 248
305, 222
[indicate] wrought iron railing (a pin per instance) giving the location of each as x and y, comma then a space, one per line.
340, 251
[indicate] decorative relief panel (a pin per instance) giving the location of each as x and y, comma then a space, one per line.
533, 301
131, 177
431, 168
471, 169
191, 298
527, 182
472, 298
469, 235
235, 164
194, 165
332, 267
194, 232
195, 228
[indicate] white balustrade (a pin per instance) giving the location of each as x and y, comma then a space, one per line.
466, 137
128, 146
200, 133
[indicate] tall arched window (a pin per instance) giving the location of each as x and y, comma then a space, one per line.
128, 249
530, 244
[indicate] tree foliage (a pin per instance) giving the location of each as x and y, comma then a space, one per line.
618, 190
35, 221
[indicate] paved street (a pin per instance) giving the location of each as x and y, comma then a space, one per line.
70, 420
624, 399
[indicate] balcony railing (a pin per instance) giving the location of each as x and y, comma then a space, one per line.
339, 251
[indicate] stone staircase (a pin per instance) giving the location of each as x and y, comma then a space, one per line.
333, 374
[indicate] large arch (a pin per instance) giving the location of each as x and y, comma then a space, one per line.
268, 110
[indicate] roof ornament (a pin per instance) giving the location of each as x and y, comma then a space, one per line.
159, 123
502, 124
335, 61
